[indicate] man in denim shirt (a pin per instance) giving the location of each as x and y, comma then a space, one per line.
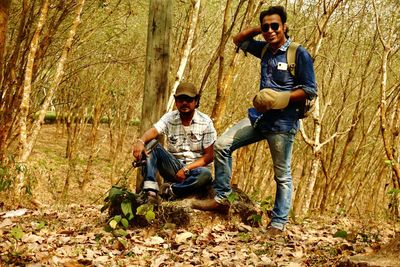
277, 110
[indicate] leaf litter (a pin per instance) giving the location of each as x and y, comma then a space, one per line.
75, 236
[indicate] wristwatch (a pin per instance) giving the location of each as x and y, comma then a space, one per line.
186, 170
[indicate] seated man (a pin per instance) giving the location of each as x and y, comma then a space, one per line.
190, 137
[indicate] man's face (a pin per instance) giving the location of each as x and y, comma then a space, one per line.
273, 30
185, 104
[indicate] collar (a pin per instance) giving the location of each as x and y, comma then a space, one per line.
285, 46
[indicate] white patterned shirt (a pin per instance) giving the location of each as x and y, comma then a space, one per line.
188, 144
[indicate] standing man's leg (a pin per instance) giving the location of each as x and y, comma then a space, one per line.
281, 146
241, 134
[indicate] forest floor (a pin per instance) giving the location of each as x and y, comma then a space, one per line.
74, 235
73, 232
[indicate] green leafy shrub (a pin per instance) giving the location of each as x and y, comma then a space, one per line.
126, 208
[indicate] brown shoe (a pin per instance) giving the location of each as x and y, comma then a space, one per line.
166, 192
152, 198
273, 231
210, 205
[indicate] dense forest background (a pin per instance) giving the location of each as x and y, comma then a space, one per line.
80, 65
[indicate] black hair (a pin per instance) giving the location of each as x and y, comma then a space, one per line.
280, 11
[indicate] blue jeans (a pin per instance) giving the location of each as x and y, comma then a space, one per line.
280, 146
163, 161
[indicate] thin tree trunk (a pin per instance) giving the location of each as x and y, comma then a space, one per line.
10, 89
4, 13
317, 115
26, 93
186, 51
224, 84
386, 128
92, 146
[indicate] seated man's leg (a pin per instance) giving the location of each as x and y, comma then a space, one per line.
159, 160
196, 182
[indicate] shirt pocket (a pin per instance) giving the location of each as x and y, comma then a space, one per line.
173, 143
281, 77
196, 142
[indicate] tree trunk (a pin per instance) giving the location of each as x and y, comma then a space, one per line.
4, 13
157, 66
26, 94
186, 52
97, 112
388, 128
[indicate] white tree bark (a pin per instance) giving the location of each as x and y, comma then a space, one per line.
25, 144
186, 53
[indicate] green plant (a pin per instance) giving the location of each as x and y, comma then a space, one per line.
7, 174
394, 202
147, 210
341, 234
232, 197
267, 204
126, 208
9, 170
16, 233
244, 237
40, 225
255, 218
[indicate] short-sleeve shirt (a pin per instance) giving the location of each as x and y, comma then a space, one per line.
187, 143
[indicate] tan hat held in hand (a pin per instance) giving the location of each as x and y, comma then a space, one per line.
268, 99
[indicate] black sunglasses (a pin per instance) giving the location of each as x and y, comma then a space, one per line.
274, 26
183, 98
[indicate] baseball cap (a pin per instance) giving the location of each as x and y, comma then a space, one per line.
186, 88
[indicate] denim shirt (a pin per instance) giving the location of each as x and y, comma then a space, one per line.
278, 78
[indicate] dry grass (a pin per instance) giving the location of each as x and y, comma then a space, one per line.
49, 166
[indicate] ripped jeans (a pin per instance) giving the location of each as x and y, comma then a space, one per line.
280, 146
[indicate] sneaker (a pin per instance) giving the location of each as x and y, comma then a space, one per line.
210, 205
166, 191
273, 231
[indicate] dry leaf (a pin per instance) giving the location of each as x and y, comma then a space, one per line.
183, 237
31, 238
15, 213
154, 240
6, 222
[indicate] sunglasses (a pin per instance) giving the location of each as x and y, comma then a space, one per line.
274, 26
184, 98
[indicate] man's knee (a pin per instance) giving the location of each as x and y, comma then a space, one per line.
284, 178
221, 144
204, 176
